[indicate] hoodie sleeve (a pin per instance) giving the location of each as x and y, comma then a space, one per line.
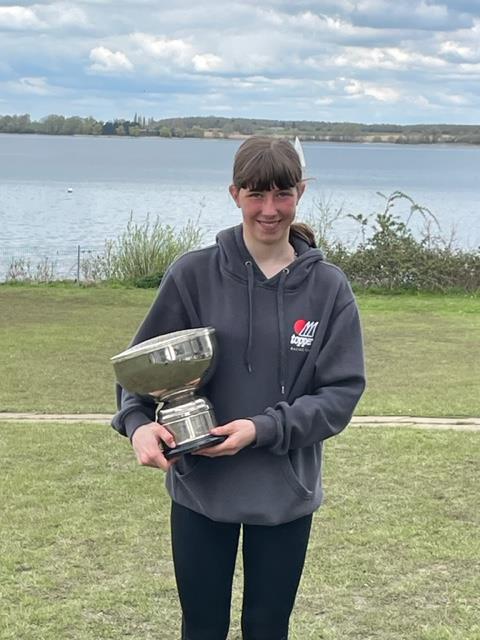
338, 383
167, 313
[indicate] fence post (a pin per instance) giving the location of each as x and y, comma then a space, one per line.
78, 264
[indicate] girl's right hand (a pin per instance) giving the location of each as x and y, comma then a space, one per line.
146, 442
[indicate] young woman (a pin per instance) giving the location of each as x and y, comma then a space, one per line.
289, 373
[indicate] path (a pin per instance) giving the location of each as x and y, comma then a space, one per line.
457, 424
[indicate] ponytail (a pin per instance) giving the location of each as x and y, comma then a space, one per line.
305, 232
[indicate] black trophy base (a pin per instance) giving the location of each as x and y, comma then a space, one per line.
193, 445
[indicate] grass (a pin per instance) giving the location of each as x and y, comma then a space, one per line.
85, 548
55, 345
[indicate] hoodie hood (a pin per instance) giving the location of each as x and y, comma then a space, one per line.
236, 260
234, 255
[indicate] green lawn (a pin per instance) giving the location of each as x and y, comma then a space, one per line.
55, 344
85, 548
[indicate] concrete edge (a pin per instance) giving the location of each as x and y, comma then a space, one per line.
459, 424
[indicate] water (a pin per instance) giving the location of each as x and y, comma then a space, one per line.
59, 192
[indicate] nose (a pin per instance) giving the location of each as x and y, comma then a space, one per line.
269, 208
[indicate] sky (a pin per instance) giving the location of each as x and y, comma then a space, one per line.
370, 61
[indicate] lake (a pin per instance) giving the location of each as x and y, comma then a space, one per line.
58, 192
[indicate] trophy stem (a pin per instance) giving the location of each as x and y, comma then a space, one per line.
190, 424
178, 397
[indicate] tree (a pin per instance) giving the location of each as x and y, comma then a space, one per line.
165, 132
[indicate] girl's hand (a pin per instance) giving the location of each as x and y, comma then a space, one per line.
240, 433
146, 442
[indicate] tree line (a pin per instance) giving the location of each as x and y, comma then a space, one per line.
220, 127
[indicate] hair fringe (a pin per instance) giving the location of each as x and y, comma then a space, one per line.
264, 162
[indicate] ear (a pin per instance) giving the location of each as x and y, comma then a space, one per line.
300, 189
234, 192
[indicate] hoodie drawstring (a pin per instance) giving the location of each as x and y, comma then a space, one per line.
281, 329
250, 281
280, 319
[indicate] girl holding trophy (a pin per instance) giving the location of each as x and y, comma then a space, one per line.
288, 375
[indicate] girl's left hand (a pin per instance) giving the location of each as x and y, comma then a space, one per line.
240, 433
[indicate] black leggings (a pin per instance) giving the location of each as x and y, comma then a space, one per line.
204, 553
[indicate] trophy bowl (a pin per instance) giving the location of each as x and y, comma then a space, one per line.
171, 368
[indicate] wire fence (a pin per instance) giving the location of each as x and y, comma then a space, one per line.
46, 264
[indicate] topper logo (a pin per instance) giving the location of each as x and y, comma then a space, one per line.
303, 334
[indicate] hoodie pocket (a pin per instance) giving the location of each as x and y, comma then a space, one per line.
293, 480
186, 466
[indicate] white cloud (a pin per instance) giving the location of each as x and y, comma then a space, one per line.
369, 58
106, 61
392, 58
456, 100
31, 85
42, 16
358, 89
62, 14
174, 53
459, 50
15, 17
322, 102
206, 62
176, 50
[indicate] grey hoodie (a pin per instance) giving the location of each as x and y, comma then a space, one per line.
290, 358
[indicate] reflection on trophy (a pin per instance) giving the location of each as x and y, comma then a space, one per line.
171, 368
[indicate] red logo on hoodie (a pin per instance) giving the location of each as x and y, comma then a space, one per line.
303, 334
298, 326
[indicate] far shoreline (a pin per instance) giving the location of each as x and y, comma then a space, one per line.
363, 140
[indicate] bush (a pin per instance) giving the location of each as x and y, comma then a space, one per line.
389, 255
142, 253
21, 270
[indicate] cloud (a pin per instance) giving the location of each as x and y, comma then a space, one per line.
456, 51
42, 17
358, 89
206, 62
392, 58
62, 14
427, 15
173, 53
35, 86
15, 17
174, 50
106, 61
333, 59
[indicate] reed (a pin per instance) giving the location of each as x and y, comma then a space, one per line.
142, 253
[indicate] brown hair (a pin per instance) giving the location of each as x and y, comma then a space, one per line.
263, 163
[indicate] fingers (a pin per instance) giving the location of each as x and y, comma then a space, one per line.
225, 430
240, 434
154, 459
164, 434
218, 450
146, 444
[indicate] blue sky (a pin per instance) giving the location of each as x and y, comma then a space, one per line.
411, 61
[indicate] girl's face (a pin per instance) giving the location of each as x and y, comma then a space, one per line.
267, 215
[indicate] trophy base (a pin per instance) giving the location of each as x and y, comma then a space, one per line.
193, 445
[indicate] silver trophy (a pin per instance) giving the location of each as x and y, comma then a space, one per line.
171, 368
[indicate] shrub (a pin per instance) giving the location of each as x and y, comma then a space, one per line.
391, 257
21, 270
142, 253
